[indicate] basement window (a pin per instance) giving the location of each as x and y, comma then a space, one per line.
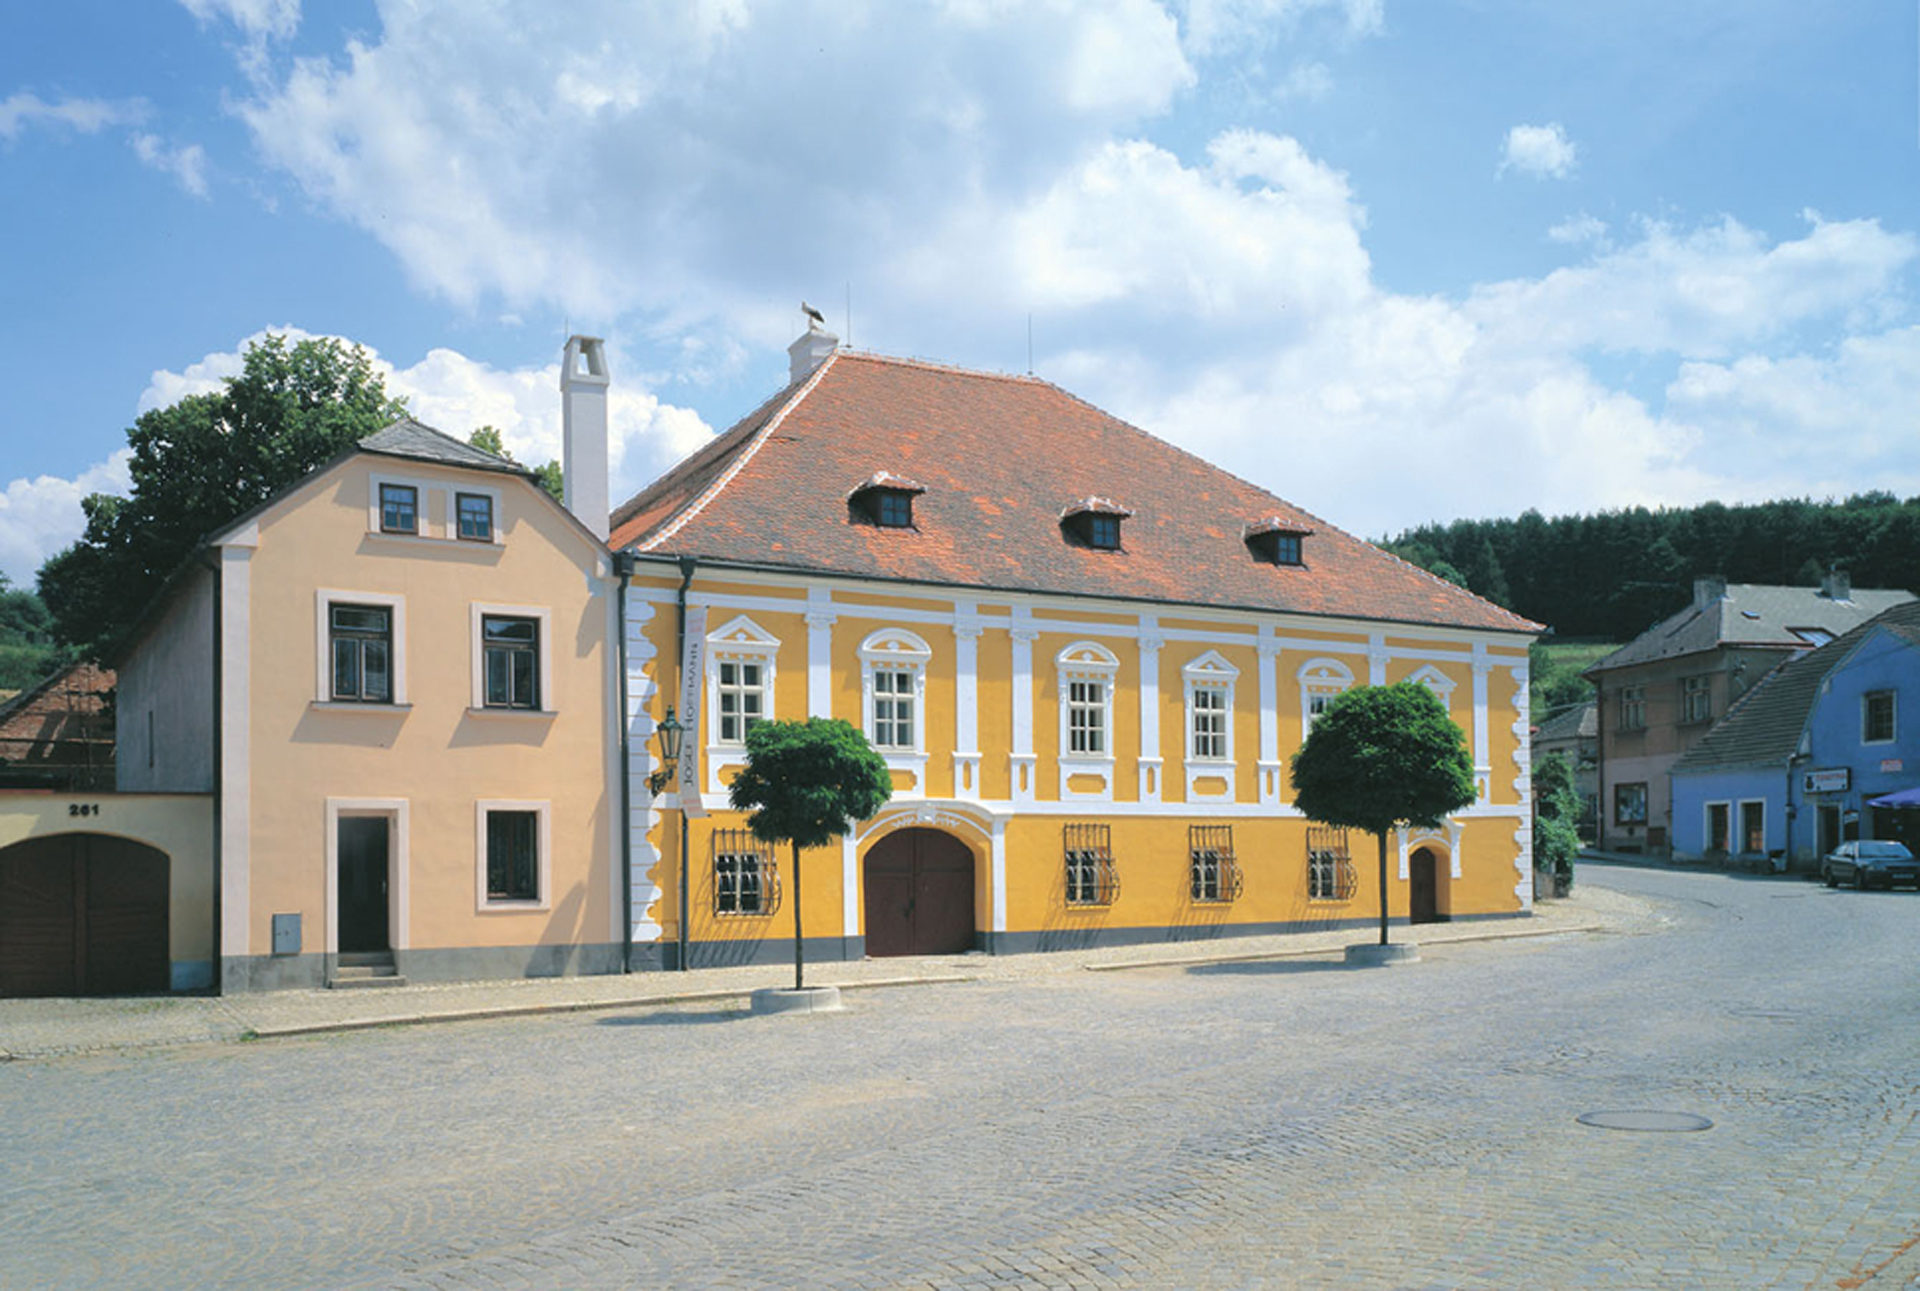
1093, 522
884, 500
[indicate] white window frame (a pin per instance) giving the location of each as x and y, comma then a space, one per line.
1210, 672
1893, 697
1437, 682
543, 859
324, 599
1086, 661
739, 640
429, 512
898, 650
549, 702
1320, 679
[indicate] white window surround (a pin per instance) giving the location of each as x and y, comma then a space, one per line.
543, 860
324, 597
549, 702
396, 812
739, 640
1086, 661
1323, 679
1211, 672
1436, 681
435, 510
898, 650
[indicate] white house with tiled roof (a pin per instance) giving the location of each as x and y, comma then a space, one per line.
1085, 653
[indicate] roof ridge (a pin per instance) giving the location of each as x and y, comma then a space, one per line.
741, 459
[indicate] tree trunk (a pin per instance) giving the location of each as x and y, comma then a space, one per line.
1382, 836
799, 982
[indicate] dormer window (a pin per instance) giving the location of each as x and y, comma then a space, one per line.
1094, 522
885, 500
1277, 540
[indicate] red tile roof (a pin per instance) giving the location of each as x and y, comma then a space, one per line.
1001, 458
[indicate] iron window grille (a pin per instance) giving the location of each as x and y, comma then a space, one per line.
1213, 875
475, 514
746, 879
362, 642
399, 508
1091, 876
510, 648
513, 856
743, 699
1330, 873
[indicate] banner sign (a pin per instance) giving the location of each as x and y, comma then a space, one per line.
1830, 780
693, 673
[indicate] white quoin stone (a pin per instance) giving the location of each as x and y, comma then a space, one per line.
809, 352
583, 419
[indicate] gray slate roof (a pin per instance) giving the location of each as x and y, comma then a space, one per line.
1764, 727
1752, 614
1581, 722
410, 438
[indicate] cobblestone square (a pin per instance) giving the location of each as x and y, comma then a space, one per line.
1286, 1122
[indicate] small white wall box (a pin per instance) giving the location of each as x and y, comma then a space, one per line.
286, 934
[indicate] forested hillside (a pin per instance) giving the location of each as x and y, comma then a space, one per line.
1612, 575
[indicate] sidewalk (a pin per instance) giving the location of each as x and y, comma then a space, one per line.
53, 1027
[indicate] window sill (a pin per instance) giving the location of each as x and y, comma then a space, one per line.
349, 706
512, 712
439, 540
511, 907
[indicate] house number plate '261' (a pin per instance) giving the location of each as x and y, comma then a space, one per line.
83, 809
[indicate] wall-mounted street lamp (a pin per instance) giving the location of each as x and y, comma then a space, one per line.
669, 729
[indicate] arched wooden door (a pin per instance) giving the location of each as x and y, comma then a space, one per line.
919, 894
1423, 895
83, 914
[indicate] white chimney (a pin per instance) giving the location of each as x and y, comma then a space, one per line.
583, 431
809, 352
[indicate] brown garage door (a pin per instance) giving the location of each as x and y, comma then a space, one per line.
82, 914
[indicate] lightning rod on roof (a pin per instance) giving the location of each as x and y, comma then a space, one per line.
1029, 342
849, 313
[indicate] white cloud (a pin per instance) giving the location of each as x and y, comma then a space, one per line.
1576, 229
276, 18
457, 394
1215, 26
188, 164
88, 116
42, 515
1544, 152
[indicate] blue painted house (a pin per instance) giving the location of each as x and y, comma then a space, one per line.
1792, 770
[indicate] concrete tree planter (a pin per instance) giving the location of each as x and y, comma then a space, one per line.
1374, 954
805, 999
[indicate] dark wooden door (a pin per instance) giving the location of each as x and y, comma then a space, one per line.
919, 894
363, 884
83, 914
1423, 894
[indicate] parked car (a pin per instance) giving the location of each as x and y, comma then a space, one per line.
1879, 863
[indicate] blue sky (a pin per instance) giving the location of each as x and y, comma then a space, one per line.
1395, 261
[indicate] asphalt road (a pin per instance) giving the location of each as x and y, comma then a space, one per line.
1235, 1125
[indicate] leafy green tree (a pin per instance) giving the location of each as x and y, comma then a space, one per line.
28, 652
201, 462
807, 783
1379, 757
1556, 815
487, 439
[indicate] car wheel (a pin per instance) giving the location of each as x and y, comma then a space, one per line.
1826, 876
1859, 878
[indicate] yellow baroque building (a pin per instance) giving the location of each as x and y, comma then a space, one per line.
1085, 654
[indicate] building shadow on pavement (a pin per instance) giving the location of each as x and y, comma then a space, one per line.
669, 1019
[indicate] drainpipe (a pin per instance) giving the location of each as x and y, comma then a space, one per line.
623, 570
219, 774
680, 637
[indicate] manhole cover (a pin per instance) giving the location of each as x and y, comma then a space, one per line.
1646, 1122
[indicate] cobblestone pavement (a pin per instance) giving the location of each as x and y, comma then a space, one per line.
1235, 1124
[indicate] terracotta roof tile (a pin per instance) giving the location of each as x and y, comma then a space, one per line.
998, 455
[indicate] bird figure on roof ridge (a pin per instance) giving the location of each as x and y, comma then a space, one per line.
814, 317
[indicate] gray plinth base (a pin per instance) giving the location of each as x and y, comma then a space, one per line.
1373, 954
809, 999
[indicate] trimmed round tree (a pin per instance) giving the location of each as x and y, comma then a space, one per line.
1379, 757
807, 783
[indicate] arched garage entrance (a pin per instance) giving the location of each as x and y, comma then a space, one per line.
919, 885
83, 914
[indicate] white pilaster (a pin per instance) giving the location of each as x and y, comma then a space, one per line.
966, 701
1270, 768
1022, 761
999, 853
820, 621
1376, 660
1482, 759
849, 886
1152, 763
236, 759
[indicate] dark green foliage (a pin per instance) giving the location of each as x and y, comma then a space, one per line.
1556, 813
487, 440
202, 462
1381, 756
1556, 684
809, 782
28, 652
1613, 575
548, 477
